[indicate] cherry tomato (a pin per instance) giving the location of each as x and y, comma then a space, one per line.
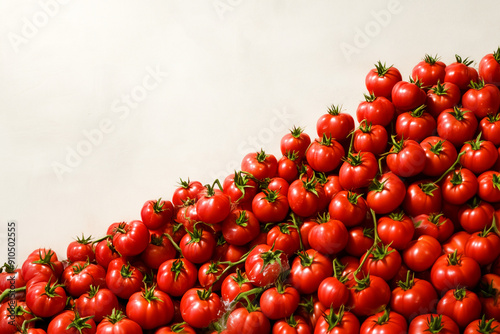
461, 73
297, 141
408, 95
380, 80
335, 124
416, 124
370, 138
430, 71
456, 125
375, 110
324, 155
442, 96
489, 68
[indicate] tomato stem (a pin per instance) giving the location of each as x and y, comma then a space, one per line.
169, 237
7, 292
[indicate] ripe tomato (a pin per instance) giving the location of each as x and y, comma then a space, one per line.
304, 196
198, 246
440, 155
380, 80
358, 170
483, 246
408, 95
442, 96
297, 141
156, 214
117, 322
79, 276
479, 155
292, 325
396, 230
240, 227
335, 124
482, 99
308, 270
386, 193
11, 278
350, 208
328, 237
42, 263
413, 297
384, 322
123, 279
430, 71
489, 68
456, 243
159, 250
199, 307
240, 187
186, 190
333, 291
422, 197
248, 321
456, 125
263, 265
82, 249
368, 296
212, 206
461, 73
459, 186
383, 261
489, 294
279, 301
489, 126
284, 237
131, 238
176, 276
14, 315
46, 299
98, 302
375, 110
260, 165
420, 254
150, 308
489, 186
482, 326
452, 270
416, 124
433, 323
210, 275
406, 158
476, 215
324, 155
105, 252
343, 322
70, 322
288, 167
370, 138
435, 224
270, 206
461, 305
360, 239
233, 285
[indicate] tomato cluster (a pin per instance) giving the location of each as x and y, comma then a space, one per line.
387, 227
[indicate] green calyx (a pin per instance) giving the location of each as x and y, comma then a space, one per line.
397, 216
177, 268
353, 198
325, 140
127, 270
454, 258
45, 259
435, 324
242, 219
496, 55
334, 110
158, 206
408, 283
485, 327
270, 257
50, 289
382, 69
364, 126
428, 188
384, 318
458, 113
305, 259
439, 90
459, 293
296, 132
79, 323
437, 148
261, 156
466, 61
397, 146
271, 195
83, 240
116, 316
430, 59
475, 145
419, 111
477, 85
149, 294
310, 184
381, 251
334, 319
370, 97
435, 217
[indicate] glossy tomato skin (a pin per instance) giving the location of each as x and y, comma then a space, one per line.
243, 321
442, 96
375, 110
489, 186
451, 271
295, 141
150, 309
456, 125
198, 246
482, 99
383, 322
105, 252
157, 213
459, 186
420, 324
329, 237
370, 297
489, 68
461, 305
422, 197
479, 324
199, 311
131, 238
483, 247
348, 207
123, 279
490, 128
324, 155
386, 193
420, 254
407, 96
360, 239
479, 155
456, 242
81, 249
333, 292
296, 325
60, 324
435, 225
284, 237
370, 138
159, 250
260, 165
335, 124
124, 325
429, 71
11, 278
406, 158
13, 315
240, 187
80, 275
383, 262
234, 284
186, 190
276, 303
98, 303
43, 263
348, 324
308, 270
240, 227
380, 80
489, 293
475, 216
416, 125
304, 197
358, 170
413, 297
176, 276
270, 206
44, 304
261, 274
461, 73
213, 206
440, 155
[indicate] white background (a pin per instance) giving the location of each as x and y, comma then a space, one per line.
235, 75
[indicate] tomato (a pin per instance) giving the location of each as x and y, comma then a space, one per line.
210, 275
308, 270
435, 224
430, 71
456, 243
416, 124
69, 322
440, 155
385, 193
383, 261
406, 158
284, 237
82, 249
123, 279
461, 305
433, 323
482, 99
80, 275
292, 325
187, 215
198, 246
375, 110
478, 155
240, 227
46, 299
358, 170
199, 307
14, 314
240, 187
260, 165
288, 167
422, 197
118, 323
360, 239
489, 294
248, 321
489, 68
489, 126
489, 186
279, 301
368, 296
482, 326
233, 285
342, 322
186, 190
311, 309
270, 206
456, 125
370, 138
11, 278
297, 141
304, 196
155, 214
461, 73
483, 246
380, 80
131, 238
105, 252
212, 206
348, 207
452, 270
324, 155
442, 96
176, 276
384, 322
408, 95
420, 254
476, 215
159, 250
43, 263
150, 308
335, 124
329, 237
181, 328
98, 302
459, 186
332, 186
263, 265
413, 297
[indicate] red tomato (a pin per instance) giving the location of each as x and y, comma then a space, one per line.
43, 263
284, 237
11, 278
14, 315
311, 309
198, 246
240, 227
442, 96
489, 186
199, 307
358, 170
82, 249
348, 207
422, 197
456, 243
476, 215
212, 206
233, 285
451, 271
489, 294
375, 110
482, 99
263, 265
408, 95
253, 321
176, 276
386, 193
484, 246
368, 296
79, 276
270, 206
332, 186
416, 125
288, 167
98, 302
105, 252
360, 239
456, 125
489, 126
461, 305
308, 270
69, 322
435, 224
430, 71
333, 291
240, 187
482, 326
489, 68
186, 190
478, 155
155, 214
131, 238
159, 250
440, 155
279, 301
459, 186
413, 297
324, 155
370, 138
46, 299
461, 73
123, 279
150, 308
406, 158
384, 322
335, 124
421, 254
304, 197
383, 261
433, 323
296, 141
182, 328
292, 325
329, 237
210, 275
342, 322
118, 323
260, 165
380, 80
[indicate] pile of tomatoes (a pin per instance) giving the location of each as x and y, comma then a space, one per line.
384, 227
